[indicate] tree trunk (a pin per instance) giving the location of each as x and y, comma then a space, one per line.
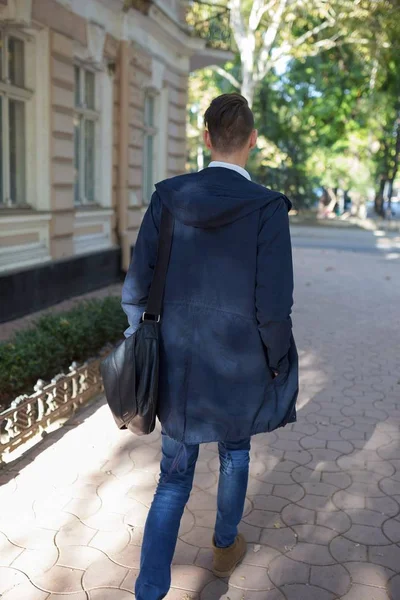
395, 163
333, 200
379, 200
248, 87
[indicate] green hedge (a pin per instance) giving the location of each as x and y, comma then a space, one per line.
55, 341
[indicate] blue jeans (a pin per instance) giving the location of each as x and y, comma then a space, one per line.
161, 532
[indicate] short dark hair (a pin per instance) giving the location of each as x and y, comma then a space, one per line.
229, 121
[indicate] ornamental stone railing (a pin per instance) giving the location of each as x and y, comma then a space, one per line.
32, 416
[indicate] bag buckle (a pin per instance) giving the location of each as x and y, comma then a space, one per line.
149, 317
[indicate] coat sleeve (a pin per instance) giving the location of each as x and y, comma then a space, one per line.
140, 274
274, 284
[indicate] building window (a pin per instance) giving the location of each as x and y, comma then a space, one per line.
150, 132
13, 100
85, 125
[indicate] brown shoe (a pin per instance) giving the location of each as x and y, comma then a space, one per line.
227, 559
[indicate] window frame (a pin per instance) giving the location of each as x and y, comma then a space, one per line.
84, 114
11, 92
150, 131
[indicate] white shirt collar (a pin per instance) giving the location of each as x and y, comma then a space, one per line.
225, 165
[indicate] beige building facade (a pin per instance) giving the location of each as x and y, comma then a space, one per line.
92, 113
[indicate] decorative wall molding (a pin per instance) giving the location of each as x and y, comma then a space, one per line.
17, 12
92, 230
28, 240
29, 417
157, 74
96, 39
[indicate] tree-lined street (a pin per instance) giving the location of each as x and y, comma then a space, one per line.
323, 510
385, 243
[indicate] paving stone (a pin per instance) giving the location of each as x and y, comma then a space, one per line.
10, 577
204, 518
283, 571
276, 478
286, 466
313, 554
181, 595
386, 506
78, 596
200, 500
247, 577
130, 580
190, 577
391, 529
314, 534
390, 486
257, 468
33, 538
311, 443
36, 562
74, 534
82, 510
185, 554
333, 578
104, 573
365, 490
201, 537
394, 586
301, 457
111, 542
220, 590
306, 592
345, 501
110, 594
305, 475
264, 519
368, 574
8, 551
204, 480
251, 533
344, 447
26, 591
259, 488
361, 592
260, 555
281, 539
60, 580
313, 502
78, 557
293, 492
387, 556
296, 515
318, 488
269, 503
204, 559
366, 517
136, 517
344, 550
366, 535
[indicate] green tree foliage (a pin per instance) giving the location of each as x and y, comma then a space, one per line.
325, 95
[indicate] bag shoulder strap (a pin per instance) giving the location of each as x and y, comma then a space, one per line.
156, 293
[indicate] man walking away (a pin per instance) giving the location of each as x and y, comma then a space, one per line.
229, 366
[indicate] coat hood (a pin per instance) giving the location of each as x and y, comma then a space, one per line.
214, 197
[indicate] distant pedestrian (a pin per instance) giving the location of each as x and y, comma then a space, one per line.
229, 366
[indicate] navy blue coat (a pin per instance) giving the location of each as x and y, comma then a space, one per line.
226, 318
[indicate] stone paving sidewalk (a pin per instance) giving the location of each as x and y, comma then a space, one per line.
322, 514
